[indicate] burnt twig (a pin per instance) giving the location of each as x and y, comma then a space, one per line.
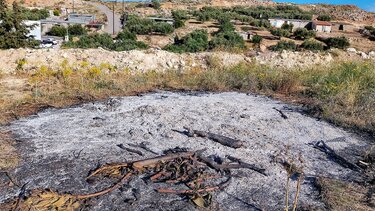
323, 147
202, 190
226, 141
282, 113
121, 146
143, 145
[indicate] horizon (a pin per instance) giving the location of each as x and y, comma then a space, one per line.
368, 5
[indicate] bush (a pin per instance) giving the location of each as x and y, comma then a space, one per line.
256, 39
34, 14
227, 40
324, 18
179, 16
77, 30
284, 45
58, 31
260, 23
146, 26
337, 42
303, 34
280, 32
288, 27
312, 45
126, 35
156, 4
196, 41
56, 12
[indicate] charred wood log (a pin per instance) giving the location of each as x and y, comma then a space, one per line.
323, 147
226, 141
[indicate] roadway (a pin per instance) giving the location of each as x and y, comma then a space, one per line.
110, 20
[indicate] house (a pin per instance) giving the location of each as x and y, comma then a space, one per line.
278, 23
322, 26
245, 35
165, 20
35, 30
81, 18
342, 26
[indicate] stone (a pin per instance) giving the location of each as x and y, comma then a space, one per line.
351, 50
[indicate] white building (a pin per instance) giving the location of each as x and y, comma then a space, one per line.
322, 26
278, 22
35, 29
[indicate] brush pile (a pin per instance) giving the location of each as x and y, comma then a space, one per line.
186, 173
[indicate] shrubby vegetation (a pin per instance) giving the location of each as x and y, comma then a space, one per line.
123, 42
179, 16
145, 26
324, 18
34, 14
371, 31
280, 32
226, 38
288, 27
13, 33
256, 39
72, 30
194, 42
284, 45
156, 4
312, 45
337, 42
303, 34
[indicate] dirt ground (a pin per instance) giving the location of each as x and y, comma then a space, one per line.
59, 147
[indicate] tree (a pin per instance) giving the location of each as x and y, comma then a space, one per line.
312, 45
303, 34
288, 27
324, 18
256, 39
280, 32
196, 41
58, 31
13, 31
337, 42
179, 16
156, 4
284, 45
77, 30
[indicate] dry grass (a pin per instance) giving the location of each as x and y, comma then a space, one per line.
340, 196
8, 155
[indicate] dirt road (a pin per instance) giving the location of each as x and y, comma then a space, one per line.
113, 25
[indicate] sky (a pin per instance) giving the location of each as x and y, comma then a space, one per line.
368, 5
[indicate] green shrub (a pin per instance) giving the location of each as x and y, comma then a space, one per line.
324, 18
312, 45
280, 32
34, 14
179, 16
156, 4
196, 41
56, 12
303, 34
77, 30
288, 27
260, 23
337, 42
227, 40
146, 26
256, 39
58, 31
126, 35
284, 45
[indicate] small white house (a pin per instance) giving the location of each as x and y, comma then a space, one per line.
278, 23
35, 29
322, 26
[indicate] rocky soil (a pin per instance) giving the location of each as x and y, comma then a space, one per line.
59, 147
152, 59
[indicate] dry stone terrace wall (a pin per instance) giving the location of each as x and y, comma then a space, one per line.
152, 59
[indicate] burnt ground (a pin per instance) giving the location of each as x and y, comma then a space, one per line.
59, 147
